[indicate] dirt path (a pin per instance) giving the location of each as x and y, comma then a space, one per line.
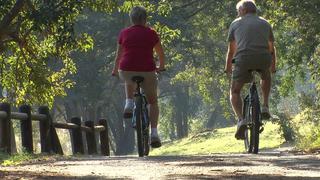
267, 165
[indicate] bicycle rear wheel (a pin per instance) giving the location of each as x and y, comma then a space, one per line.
139, 129
146, 142
145, 127
256, 116
247, 113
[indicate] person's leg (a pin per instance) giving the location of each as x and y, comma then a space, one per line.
265, 87
150, 87
265, 63
235, 98
129, 90
236, 102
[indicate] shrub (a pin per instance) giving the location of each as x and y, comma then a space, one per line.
307, 129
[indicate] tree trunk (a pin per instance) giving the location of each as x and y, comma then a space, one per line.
181, 105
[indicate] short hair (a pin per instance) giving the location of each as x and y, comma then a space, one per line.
248, 5
138, 15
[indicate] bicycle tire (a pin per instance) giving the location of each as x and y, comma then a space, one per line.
247, 115
146, 142
256, 115
146, 129
139, 129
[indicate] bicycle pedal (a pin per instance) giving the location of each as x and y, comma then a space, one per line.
261, 129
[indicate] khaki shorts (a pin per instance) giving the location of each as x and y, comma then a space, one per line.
244, 63
149, 84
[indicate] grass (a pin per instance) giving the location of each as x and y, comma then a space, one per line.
7, 160
16, 159
219, 141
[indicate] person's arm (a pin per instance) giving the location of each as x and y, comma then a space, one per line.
232, 48
159, 50
272, 50
117, 60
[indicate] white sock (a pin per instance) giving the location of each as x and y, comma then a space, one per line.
129, 104
154, 132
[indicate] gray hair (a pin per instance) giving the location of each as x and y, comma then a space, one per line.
138, 15
248, 5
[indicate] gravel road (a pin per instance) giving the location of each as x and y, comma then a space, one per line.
266, 165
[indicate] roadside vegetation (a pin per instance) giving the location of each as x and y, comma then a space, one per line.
6, 160
219, 141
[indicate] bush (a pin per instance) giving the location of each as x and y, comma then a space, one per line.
286, 128
306, 126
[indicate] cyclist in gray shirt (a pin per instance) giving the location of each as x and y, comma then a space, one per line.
251, 47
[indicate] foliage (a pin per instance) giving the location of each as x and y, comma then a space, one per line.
166, 126
37, 38
16, 159
307, 129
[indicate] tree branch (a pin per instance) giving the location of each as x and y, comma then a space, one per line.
8, 18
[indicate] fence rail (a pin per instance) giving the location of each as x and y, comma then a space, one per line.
48, 136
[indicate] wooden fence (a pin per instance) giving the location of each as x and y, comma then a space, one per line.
48, 136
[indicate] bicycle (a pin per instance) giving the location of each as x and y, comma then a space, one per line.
140, 118
252, 115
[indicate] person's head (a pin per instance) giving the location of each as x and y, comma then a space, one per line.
246, 6
138, 15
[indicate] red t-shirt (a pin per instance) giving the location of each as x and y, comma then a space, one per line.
137, 44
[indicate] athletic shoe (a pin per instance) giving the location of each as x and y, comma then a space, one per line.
241, 127
155, 142
265, 114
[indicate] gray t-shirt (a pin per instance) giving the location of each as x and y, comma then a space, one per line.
251, 34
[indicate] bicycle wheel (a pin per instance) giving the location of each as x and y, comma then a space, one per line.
146, 142
256, 116
139, 129
146, 128
248, 132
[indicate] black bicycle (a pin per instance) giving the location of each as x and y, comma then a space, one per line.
252, 115
140, 119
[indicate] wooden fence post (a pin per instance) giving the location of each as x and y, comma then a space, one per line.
77, 141
91, 139
45, 139
26, 129
6, 128
104, 138
50, 136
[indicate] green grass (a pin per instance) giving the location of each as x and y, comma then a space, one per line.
16, 159
219, 141
7, 160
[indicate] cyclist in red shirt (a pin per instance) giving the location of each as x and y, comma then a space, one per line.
135, 58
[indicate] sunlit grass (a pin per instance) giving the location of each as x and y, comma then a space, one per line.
219, 141
20, 158
6, 160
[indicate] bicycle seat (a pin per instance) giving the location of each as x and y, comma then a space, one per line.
137, 79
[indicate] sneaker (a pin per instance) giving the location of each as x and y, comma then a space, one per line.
265, 114
241, 127
155, 142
